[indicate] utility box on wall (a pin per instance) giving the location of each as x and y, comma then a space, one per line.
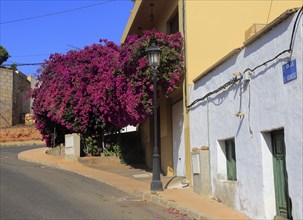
72, 146
195, 158
201, 172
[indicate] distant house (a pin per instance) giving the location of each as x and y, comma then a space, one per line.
253, 125
14, 86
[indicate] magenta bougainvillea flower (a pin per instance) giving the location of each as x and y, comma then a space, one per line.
104, 87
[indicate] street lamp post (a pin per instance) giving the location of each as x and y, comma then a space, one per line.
153, 55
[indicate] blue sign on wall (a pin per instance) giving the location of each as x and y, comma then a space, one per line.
289, 71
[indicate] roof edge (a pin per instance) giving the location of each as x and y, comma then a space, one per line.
271, 25
132, 16
218, 63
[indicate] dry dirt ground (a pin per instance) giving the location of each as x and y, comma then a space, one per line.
19, 134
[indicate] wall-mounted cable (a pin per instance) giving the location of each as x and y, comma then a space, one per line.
291, 44
236, 79
224, 86
290, 48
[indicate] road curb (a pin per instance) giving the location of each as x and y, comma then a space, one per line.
156, 199
22, 143
147, 196
141, 191
43, 162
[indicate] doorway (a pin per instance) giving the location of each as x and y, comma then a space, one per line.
178, 139
283, 202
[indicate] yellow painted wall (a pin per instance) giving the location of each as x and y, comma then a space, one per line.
147, 141
214, 28
166, 137
164, 17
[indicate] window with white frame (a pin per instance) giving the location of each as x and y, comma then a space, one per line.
226, 157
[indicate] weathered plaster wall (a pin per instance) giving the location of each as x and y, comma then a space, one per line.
169, 12
146, 141
166, 151
267, 104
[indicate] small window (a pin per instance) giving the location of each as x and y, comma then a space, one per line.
231, 162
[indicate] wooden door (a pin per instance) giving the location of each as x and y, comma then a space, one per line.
280, 175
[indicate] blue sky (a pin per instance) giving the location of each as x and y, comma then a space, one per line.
33, 40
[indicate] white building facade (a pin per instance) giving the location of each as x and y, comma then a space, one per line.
254, 126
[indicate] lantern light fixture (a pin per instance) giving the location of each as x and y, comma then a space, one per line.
153, 55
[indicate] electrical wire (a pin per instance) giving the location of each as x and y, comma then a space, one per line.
289, 50
266, 62
184, 52
44, 54
224, 86
294, 29
236, 79
31, 55
56, 13
23, 64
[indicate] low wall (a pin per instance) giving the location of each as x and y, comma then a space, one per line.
19, 133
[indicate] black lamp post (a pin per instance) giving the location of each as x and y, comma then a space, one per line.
153, 55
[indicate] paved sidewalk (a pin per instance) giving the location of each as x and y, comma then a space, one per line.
184, 200
22, 143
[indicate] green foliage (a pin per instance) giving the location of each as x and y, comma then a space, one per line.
134, 155
90, 146
112, 150
3, 55
14, 66
130, 151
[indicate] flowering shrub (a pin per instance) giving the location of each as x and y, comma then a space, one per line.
103, 87
138, 93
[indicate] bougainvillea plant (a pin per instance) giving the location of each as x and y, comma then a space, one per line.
103, 87
137, 97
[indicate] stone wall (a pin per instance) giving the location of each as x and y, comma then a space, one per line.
29, 119
6, 97
14, 86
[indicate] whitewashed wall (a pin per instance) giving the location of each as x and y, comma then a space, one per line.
268, 104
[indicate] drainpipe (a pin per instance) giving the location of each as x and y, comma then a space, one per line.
185, 104
208, 144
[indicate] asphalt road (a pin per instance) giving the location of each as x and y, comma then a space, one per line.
33, 191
